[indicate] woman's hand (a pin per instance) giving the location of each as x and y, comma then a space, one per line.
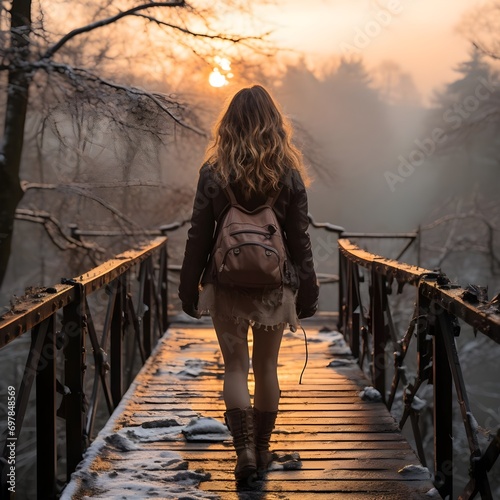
190, 309
306, 311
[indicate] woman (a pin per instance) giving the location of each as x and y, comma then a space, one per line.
252, 153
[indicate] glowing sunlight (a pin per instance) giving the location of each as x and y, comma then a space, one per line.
221, 74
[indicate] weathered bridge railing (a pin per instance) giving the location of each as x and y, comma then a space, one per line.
64, 317
411, 238
366, 282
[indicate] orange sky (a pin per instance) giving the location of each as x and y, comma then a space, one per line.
419, 35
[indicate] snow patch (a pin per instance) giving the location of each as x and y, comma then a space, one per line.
205, 429
433, 492
152, 434
415, 470
167, 478
120, 442
339, 347
472, 421
370, 394
332, 334
314, 340
287, 461
341, 362
196, 368
190, 477
166, 422
142, 485
281, 431
168, 454
418, 404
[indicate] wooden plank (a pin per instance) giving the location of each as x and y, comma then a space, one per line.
202, 381
152, 460
326, 474
396, 489
381, 466
372, 455
249, 495
324, 409
177, 394
299, 434
286, 403
299, 445
328, 424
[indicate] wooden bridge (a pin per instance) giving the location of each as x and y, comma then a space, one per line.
165, 438
332, 442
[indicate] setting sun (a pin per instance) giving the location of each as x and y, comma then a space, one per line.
221, 74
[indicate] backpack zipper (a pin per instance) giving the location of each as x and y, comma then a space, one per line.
252, 231
270, 249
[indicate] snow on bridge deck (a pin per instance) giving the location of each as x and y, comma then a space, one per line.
348, 447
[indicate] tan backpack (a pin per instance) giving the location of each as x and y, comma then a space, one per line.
249, 250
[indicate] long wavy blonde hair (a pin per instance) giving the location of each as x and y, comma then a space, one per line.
252, 144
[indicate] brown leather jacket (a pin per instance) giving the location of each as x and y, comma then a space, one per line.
291, 211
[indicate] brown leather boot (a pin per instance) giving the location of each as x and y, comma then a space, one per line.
240, 424
264, 425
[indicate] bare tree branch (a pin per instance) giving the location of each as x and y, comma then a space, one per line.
485, 51
96, 185
154, 97
465, 242
217, 36
459, 216
105, 22
56, 233
86, 193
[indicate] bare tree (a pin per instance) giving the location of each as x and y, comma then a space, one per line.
67, 74
480, 27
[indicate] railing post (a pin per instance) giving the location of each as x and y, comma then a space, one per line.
443, 410
116, 342
74, 367
419, 245
450, 328
21, 405
342, 291
353, 305
147, 320
378, 332
346, 312
163, 282
46, 436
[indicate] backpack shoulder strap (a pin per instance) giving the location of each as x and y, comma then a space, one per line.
230, 194
271, 200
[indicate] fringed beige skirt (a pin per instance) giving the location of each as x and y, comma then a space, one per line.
263, 308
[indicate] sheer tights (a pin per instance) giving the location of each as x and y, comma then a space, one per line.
233, 342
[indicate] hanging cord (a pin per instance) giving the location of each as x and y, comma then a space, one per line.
307, 355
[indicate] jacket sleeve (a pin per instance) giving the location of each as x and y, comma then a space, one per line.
200, 239
299, 245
